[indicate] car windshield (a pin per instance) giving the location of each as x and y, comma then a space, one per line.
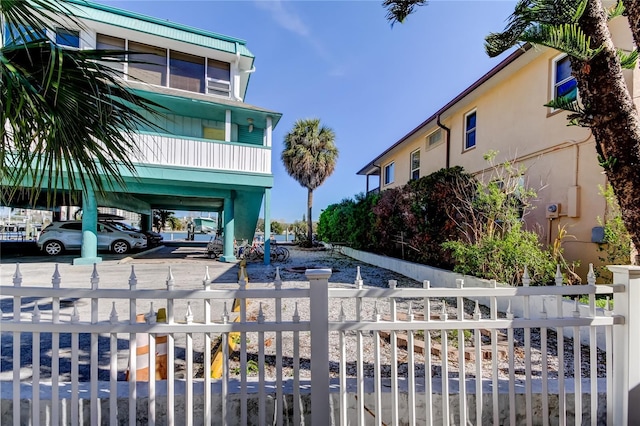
122, 226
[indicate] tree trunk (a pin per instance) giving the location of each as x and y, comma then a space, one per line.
309, 220
632, 12
612, 117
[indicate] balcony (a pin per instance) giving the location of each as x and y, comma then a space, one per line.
203, 154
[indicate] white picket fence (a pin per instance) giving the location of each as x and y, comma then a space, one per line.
82, 382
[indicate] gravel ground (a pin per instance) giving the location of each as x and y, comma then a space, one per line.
343, 275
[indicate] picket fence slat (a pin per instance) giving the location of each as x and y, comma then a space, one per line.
381, 387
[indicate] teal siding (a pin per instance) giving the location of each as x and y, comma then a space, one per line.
253, 138
178, 125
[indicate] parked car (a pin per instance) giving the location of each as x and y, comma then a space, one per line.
153, 238
61, 236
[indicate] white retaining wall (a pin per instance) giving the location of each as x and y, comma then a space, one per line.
447, 279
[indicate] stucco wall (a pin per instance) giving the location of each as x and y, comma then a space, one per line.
561, 161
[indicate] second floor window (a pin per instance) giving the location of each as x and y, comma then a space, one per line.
163, 67
388, 173
415, 165
105, 42
187, 72
565, 84
434, 138
218, 78
148, 64
470, 130
67, 38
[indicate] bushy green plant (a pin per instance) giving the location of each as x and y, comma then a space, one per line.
616, 249
350, 221
503, 257
494, 244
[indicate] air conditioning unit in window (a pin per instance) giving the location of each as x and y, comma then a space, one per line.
553, 210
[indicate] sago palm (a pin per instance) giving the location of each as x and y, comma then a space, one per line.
310, 156
67, 119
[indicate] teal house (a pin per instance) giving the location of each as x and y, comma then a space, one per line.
213, 152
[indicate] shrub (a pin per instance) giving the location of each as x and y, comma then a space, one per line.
617, 247
490, 217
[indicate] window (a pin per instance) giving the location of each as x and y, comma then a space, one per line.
388, 173
68, 38
218, 78
213, 133
105, 42
415, 165
186, 72
434, 137
148, 64
19, 34
470, 130
76, 226
564, 84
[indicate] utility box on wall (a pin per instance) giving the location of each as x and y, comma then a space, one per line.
597, 235
552, 211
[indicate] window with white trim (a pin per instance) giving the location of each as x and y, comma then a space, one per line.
388, 173
564, 83
415, 165
434, 138
68, 38
470, 130
105, 42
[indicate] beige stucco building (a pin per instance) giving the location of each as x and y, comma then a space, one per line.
504, 111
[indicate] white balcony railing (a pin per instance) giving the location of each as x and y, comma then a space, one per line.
198, 153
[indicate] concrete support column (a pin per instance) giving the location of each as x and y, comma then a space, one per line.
229, 230
146, 222
626, 345
89, 250
267, 226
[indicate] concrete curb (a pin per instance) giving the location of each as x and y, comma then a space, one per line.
136, 255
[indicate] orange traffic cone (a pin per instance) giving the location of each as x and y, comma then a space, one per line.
161, 348
142, 355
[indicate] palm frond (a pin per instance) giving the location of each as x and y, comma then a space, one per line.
309, 154
529, 14
567, 103
70, 120
628, 60
398, 10
616, 10
568, 38
29, 20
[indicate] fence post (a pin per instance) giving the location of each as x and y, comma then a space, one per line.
626, 347
319, 317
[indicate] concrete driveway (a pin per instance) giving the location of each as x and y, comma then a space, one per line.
188, 267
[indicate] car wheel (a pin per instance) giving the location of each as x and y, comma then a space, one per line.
53, 248
120, 247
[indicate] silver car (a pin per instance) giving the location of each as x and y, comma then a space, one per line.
61, 236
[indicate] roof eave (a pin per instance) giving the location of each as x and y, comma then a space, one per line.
486, 77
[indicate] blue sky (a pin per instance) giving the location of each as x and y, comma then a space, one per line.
342, 62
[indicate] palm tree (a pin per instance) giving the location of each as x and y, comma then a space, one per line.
66, 117
580, 29
310, 157
161, 217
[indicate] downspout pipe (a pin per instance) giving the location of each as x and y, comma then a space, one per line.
447, 139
